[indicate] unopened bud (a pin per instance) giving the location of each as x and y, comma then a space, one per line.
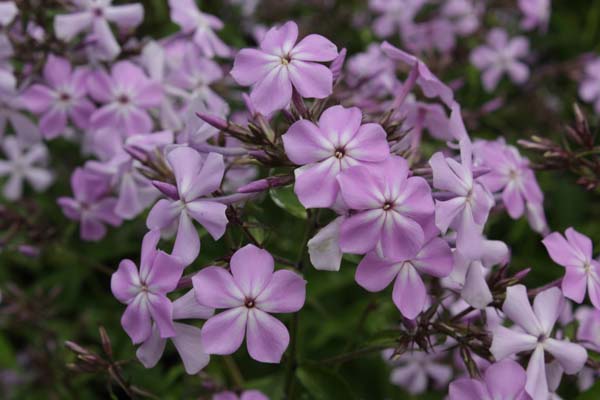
167, 189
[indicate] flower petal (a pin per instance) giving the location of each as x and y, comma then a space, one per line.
375, 274
517, 308
547, 306
285, 293
314, 48
188, 342
506, 342
125, 281
409, 294
571, 356
267, 337
231, 321
136, 320
210, 214
252, 269
215, 288
151, 350
310, 79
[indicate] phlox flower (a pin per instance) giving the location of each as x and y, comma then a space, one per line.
409, 294
501, 55
64, 97
186, 338
436, 34
414, 371
8, 12
201, 26
390, 210
126, 94
470, 202
509, 173
582, 273
26, 131
23, 163
91, 204
504, 380
196, 177
588, 333
536, 13
324, 248
339, 141
145, 290
463, 14
94, 16
394, 15
250, 292
533, 332
280, 65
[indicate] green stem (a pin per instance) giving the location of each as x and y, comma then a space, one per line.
234, 371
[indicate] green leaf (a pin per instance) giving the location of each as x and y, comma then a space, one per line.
285, 198
323, 383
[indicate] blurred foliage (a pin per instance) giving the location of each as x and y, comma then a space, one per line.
67, 288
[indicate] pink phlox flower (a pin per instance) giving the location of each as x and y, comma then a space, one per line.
196, 177
589, 87
281, 65
250, 293
24, 163
582, 273
394, 15
463, 14
145, 290
501, 55
94, 16
536, 13
533, 333
62, 98
245, 395
126, 94
324, 150
91, 204
201, 26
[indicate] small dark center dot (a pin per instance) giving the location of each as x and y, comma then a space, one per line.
541, 338
339, 153
387, 205
285, 60
98, 12
123, 99
249, 303
65, 97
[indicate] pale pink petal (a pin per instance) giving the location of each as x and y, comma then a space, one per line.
252, 269
374, 273
507, 342
125, 282
310, 79
187, 241
369, 144
580, 242
475, 290
435, 258
53, 123
314, 48
251, 65
467, 389
409, 294
505, 379
305, 143
547, 306
561, 251
267, 338
537, 384
163, 214
322, 175
571, 356
57, 71
187, 307
188, 342
215, 288
67, 26
285, 293
574, 284
231, 321
99, 85
401, 237
161, 310
360, 233
280, 40
210, 214
37, 98
517, 308
152, 349
339, 125
136, 320
361, 188
273, 92
125, 16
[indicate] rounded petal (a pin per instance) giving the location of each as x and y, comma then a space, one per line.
506, 342
210, 214
409, 294
375, 274
251, 66
37, 98
136, 320
401, 237
361, 188
314, 48
67, 26
187, 241
537, 384
53, 123
163, 214
517, 308
310, 79
361, 232
305, 143
214, 287
151, 350
273, 92
369, 144
467, 389
547, 306
285, 293
322, 175
161, 310
505, 379
231, 321
188, 307
340, 125
267, 337
574, 284
280, 40
324, 247
252, 269
125, 282
435, 258
188, 342
571, 356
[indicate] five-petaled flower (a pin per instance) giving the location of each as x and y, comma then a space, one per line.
145, 290
250, 292
280, 65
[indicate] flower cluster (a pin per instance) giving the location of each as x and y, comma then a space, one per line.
168, 139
